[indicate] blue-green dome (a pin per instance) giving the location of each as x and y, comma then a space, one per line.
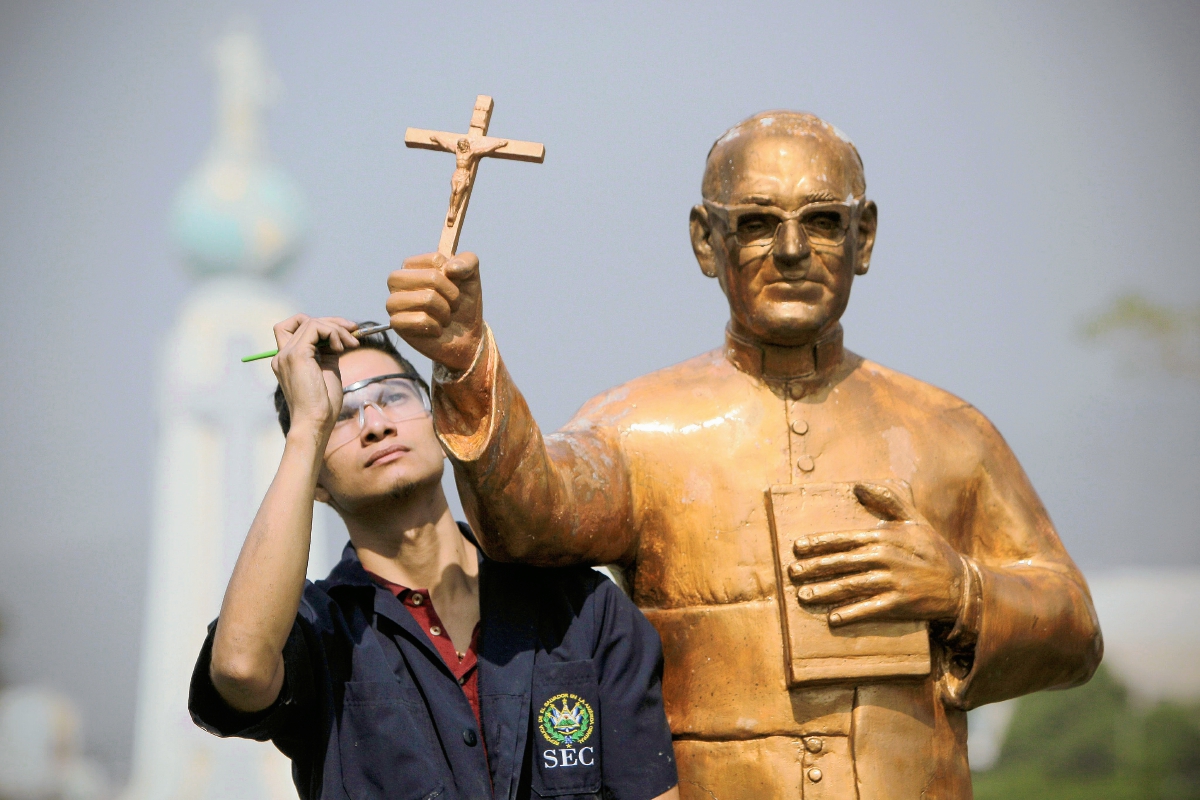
238, 215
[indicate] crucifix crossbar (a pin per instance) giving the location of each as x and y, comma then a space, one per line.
468, 149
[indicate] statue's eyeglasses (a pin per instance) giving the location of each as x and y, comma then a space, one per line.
397, 397
824, 224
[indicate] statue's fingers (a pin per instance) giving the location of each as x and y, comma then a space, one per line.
427, 300
845, 589
817, 568
424, 261
885, 502
836, 541
415, 323
882, 606
462, 268
405, 280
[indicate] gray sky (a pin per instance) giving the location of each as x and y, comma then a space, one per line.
1030, 163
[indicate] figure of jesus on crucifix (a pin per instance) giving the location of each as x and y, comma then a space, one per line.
468, 149
466, 154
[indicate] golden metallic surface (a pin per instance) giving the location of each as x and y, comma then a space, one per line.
674, 476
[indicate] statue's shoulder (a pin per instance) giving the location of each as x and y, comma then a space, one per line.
924, 406
903, 388
646, 396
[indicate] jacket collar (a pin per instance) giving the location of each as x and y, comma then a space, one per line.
775, 364
349, 575
349, 571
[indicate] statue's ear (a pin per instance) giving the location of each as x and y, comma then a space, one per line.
700, 227
868, 220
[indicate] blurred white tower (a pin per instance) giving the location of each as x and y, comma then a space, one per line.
239, 222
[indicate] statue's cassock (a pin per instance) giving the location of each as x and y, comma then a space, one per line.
666, 474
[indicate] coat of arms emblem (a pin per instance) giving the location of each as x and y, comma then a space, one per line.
566, 720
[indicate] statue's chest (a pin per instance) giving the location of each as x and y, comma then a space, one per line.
699, 484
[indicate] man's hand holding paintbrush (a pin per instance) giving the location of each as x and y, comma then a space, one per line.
307, 367
358, 332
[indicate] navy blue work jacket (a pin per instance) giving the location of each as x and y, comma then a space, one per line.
569, 687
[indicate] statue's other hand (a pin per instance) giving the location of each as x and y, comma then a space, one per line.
436, 305
902, 569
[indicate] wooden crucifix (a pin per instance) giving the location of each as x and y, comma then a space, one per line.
468, 149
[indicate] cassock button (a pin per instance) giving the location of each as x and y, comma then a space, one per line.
813, 745
806, 464
417, 598
435, 630
815, 775
799, 427
796, 390
470, 738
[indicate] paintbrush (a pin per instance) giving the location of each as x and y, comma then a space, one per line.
358, 334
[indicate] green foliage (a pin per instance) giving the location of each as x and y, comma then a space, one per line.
1133, 312
1089, 743
1172, 333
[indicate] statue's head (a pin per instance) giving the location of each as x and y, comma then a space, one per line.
784, 226
464, 145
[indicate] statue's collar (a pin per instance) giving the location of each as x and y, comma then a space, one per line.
782, 364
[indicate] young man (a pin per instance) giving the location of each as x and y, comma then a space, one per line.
418, 668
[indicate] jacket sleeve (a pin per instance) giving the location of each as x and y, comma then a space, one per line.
1027, 622
549, 501
285, 722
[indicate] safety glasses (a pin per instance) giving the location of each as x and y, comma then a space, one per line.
398, 397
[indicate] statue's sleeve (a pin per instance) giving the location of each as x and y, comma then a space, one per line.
1028, 622
549, 501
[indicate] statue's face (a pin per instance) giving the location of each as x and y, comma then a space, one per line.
785, 235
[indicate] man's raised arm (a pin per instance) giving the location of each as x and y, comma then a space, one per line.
550, 501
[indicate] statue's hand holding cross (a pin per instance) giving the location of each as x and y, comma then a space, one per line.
436, 303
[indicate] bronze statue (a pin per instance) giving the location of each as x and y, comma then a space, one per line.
840, 559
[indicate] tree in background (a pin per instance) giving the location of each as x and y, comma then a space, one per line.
1091, 743
1150, 334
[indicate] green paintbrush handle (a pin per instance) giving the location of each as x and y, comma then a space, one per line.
358, 334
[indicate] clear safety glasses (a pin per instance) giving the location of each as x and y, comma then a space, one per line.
396, 398
824, 224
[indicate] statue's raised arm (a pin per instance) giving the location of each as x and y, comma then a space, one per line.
840, 559
555, 502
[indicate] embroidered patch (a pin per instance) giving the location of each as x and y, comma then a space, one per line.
566, 720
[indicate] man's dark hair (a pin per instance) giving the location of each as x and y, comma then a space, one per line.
376, 341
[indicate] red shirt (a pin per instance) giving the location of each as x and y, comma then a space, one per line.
461, 665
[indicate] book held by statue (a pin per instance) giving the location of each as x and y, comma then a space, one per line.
813, 651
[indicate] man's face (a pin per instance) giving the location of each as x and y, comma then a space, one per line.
787, 281
385, 459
